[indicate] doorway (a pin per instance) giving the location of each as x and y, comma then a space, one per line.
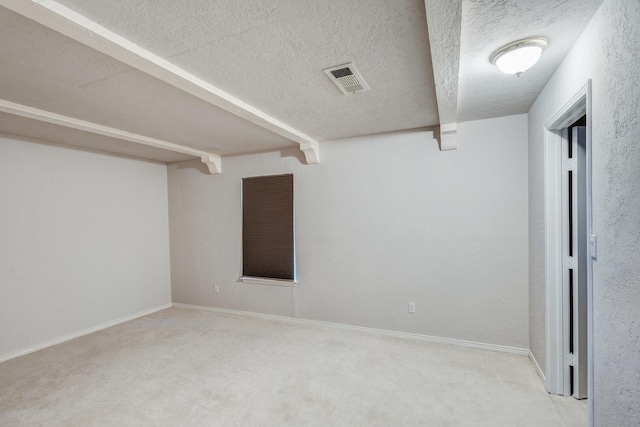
570, 248
575, 257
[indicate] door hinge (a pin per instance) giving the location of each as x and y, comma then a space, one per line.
570, 262
570, 359
569, 164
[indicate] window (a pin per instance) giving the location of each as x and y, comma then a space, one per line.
268, 248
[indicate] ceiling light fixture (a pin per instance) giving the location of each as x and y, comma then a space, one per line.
518, 57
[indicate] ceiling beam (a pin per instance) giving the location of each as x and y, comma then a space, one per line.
444, 18
212, 161
65, 21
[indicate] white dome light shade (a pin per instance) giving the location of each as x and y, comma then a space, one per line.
517, 57
519, 60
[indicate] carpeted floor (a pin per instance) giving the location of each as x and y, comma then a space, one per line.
182, 367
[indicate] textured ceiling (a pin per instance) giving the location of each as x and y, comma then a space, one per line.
488, 25
270, 54
43, 69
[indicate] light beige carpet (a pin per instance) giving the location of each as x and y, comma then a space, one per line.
182, 367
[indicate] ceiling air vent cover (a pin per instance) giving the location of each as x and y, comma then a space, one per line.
347, 78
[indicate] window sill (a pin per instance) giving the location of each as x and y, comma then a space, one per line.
271, 282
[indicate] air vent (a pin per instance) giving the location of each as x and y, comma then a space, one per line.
347, 78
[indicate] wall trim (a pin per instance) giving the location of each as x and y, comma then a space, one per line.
543, 378
65, 338
382, 332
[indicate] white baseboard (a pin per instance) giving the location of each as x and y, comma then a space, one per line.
543, 378
384, 332
60, 340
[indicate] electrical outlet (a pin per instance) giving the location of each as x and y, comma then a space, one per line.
412, 307
216, 289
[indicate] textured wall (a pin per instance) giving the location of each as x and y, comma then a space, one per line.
609, 53
83, 241
382, 221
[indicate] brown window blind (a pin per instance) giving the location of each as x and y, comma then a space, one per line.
267, 227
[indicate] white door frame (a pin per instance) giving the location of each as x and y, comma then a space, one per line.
578, 106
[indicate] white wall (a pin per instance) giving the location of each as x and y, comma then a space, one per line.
83, 241
382, 221
609, 53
